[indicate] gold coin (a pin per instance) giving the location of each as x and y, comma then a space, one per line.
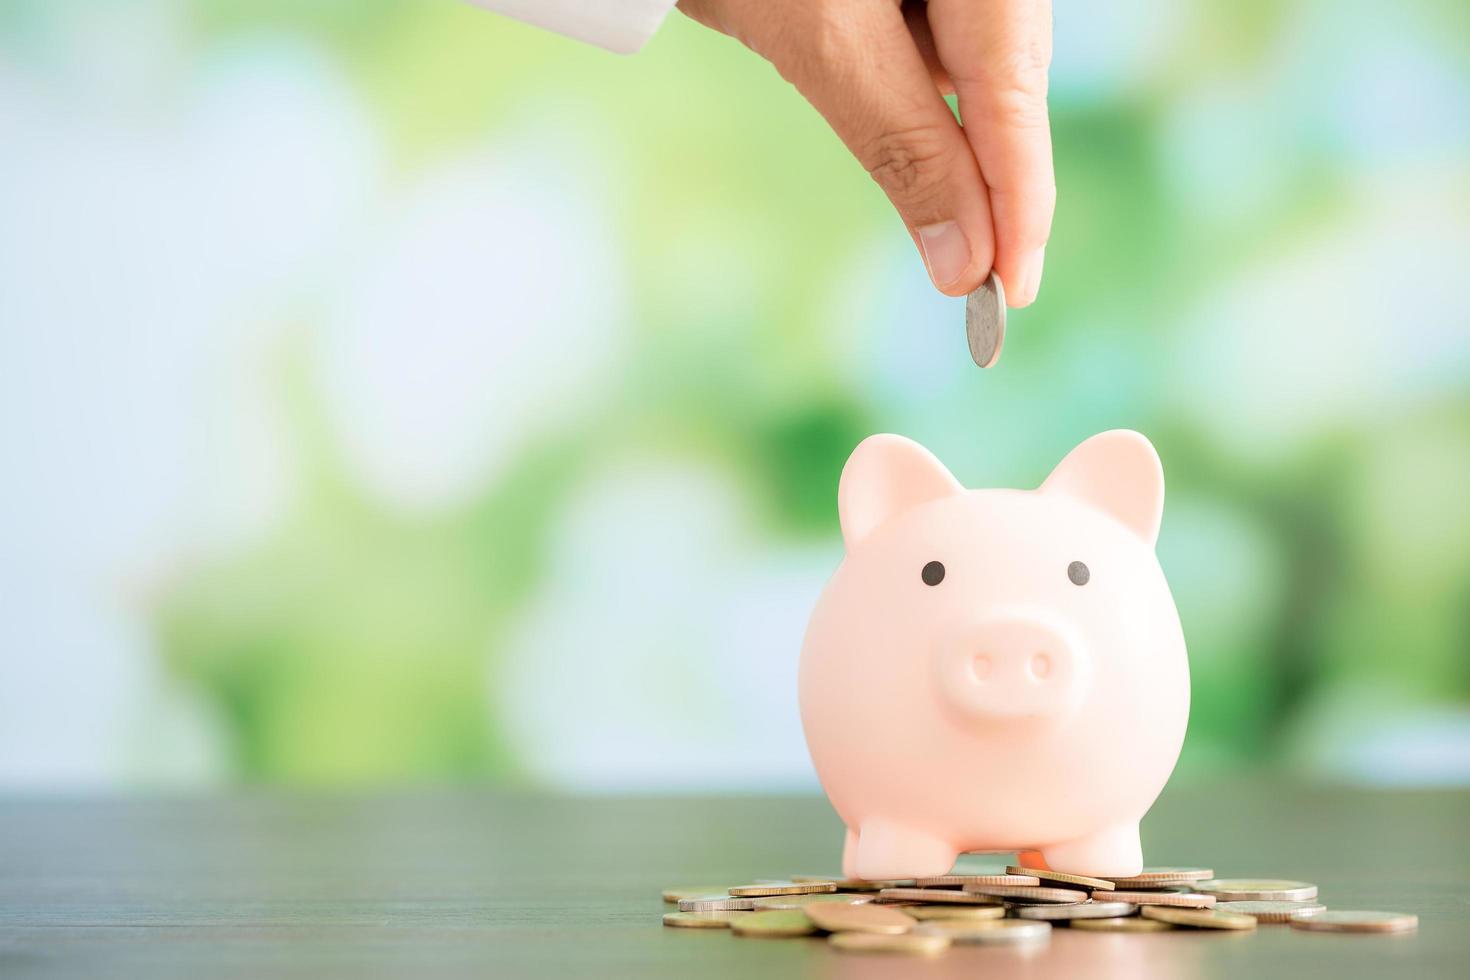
959, 881
1185, 900
784, 888
1258, 890
1199, 918
672, 895
1028, 895
701, 920
868, 942
860, 918
934, 895
1131, 924
1156, 877
1085, 910
801, 901
716, 903
1272, 911
1061, 877
971, 912
775, 923
856, 884
1354, 921
993, 931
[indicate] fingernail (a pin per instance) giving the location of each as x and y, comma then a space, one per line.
1033, 275
946, 253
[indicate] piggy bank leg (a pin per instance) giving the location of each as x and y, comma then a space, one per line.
850, 854
1033, 859
881, 850
1114, 850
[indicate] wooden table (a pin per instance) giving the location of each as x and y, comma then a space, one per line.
493, 885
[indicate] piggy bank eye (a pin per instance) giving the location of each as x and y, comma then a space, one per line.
1078, 573
933, 573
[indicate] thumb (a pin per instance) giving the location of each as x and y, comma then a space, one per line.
872, 85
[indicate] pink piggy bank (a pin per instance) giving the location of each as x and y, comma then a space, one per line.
996, 670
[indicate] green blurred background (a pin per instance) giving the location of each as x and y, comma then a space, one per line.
394, 392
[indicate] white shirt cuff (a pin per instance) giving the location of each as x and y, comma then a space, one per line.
621, 26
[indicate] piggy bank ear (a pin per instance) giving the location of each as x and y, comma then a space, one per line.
1119, 473
884, 476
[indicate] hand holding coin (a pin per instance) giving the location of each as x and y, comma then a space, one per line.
975, 192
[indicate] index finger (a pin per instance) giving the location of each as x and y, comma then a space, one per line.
998, 52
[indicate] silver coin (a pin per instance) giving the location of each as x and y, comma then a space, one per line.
716, 903
1026, 894
985, 321
1272, 911
939, 896
995, 931
1257, 890
1087, 910
1341, 921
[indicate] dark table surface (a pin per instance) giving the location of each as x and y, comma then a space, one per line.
473, 883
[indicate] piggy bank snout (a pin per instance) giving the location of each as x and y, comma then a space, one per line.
1011, 667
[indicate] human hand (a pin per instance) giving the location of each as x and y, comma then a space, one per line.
972, 196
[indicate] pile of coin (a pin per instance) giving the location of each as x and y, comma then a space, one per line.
1015, 904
